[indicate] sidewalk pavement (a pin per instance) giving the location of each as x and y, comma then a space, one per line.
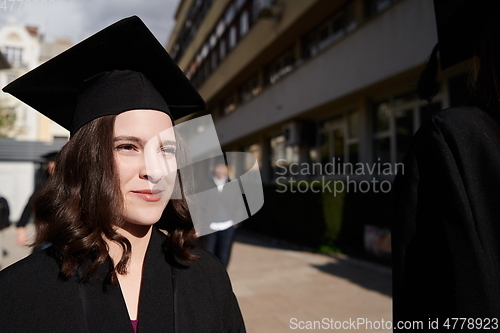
280, 289
275, 285
15, 252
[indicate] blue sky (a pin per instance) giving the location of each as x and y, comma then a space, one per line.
77, 19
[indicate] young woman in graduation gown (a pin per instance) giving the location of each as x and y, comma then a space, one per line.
110, 268
446, 231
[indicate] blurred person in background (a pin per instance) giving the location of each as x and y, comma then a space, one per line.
109, 267
27, 214
4, 223
220, 240
446, 230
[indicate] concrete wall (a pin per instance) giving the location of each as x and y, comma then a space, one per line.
399, 39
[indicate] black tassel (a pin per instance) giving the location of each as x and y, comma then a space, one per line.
427, 86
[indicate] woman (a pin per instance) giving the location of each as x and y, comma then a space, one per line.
110, 269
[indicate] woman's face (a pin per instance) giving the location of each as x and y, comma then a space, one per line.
144, 149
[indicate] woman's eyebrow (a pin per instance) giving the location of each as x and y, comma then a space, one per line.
138, 140
127, 138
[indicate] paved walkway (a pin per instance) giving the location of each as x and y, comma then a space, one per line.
274, 285
15, 252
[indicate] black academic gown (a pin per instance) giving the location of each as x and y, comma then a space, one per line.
446, 228
199, 298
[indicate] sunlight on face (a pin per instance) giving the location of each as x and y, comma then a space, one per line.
145, 148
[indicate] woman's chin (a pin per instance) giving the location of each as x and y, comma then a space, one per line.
145, 216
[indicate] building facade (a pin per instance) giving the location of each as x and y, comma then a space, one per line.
21, 47
310, 81
318, 90
22, 168
24, 49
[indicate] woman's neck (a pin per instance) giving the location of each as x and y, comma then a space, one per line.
138, 236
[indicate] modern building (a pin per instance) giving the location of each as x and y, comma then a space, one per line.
319, 90
22, 168
24, 49
310, 81
21, 46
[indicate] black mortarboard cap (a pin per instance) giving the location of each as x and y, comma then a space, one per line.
459, 23
122, 67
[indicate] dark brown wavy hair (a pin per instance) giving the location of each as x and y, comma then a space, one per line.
82, 203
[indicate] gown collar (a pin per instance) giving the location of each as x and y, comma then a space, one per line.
105, 305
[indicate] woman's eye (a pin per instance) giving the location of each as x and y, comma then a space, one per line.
169, 150
126, 147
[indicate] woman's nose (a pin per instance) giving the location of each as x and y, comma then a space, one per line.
154, 168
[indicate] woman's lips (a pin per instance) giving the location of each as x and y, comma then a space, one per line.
148, 195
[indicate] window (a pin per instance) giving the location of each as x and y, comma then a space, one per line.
232, 37
249, 89
339, 143
222, 49
277, 146
282, 155
244, 23
213, 40
239, 3
395, 120
331, 30
220, 28
228, 105
279, 67
376, 6
229, 15
259, 6
214, 60
382, 132
14, 55
204, 51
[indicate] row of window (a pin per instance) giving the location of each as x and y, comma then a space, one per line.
332, 29
393, 123
194, 17
329, 31
233, 25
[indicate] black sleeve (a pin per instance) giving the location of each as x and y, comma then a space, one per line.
5, 213
27, 212
445, 233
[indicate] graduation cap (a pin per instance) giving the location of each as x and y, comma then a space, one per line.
459, 23
122, 67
